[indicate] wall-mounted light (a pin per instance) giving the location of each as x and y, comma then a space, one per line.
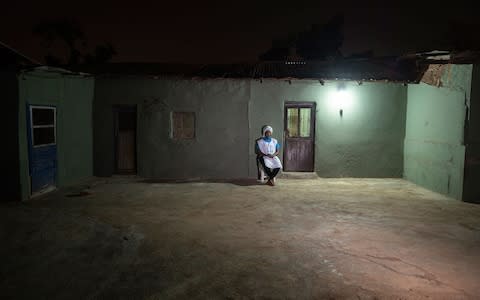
341, 101
342, 98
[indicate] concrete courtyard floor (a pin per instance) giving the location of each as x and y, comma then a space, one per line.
127, 238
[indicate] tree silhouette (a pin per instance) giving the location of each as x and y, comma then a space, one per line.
71, 34
319, 42
103, 53
67, 31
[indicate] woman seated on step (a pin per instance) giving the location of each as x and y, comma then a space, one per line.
267, 149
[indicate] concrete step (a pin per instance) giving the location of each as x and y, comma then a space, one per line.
298, 175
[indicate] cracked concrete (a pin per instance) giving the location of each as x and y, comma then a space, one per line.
126, 238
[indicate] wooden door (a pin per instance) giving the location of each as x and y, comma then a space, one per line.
125, 140
299, 149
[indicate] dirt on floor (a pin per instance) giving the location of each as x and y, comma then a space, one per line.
128, 238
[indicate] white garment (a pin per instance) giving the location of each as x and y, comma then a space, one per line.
269, 148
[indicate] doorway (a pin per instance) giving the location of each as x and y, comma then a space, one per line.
125, 126
42, 147
299, 149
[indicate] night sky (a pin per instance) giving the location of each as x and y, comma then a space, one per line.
232, 31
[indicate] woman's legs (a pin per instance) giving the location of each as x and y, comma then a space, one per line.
275, 172
271, 173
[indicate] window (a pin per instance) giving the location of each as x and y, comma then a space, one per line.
43, 121
299, 121
183, 125
305, 114
292, 117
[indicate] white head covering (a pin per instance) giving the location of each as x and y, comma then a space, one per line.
267, 128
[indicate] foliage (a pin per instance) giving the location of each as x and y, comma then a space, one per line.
70, 33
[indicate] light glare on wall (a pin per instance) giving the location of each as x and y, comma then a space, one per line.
340, 100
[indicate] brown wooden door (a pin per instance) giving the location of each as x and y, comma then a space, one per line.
125, 140
299, 149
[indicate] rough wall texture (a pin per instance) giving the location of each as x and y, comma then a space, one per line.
219, 148
434, 149
367, 141
73, 97
471, 190
9, 121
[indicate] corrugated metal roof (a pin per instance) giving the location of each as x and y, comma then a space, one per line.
406, 68
386, 68
391, 69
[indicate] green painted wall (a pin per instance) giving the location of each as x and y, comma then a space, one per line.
366, 142
220, 147
434, 150
471, 191
9, 122
73, 97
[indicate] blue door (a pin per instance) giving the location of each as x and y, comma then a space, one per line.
42, 145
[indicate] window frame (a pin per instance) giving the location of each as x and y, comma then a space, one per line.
173, 127
32, 127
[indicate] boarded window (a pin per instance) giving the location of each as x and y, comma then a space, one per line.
183, 125
43, 125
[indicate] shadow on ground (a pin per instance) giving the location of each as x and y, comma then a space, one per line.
239, 182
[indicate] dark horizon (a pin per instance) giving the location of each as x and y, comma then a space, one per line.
214, 32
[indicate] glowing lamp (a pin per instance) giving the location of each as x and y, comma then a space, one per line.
342, 98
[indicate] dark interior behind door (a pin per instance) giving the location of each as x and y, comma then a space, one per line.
125, 139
